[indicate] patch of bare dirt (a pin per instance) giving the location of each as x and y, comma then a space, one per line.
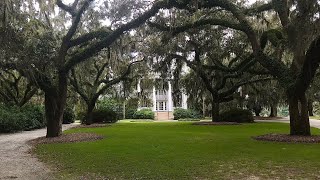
288, 138
68, 138
216, 123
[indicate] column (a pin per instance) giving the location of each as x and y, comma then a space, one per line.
184, 98
138, 86
138, 93
154, 99
170, 106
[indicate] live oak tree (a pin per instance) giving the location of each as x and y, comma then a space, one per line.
74, 47
221, 75
212, 54
108, 69
297, 32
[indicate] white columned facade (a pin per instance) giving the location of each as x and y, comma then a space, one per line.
154, 99
184, 98
170, 104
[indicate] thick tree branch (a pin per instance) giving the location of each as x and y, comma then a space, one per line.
109, 83
89, 36
108, 40
74, 82
67, 8
310, 67
197, 24
259, 9
236, 86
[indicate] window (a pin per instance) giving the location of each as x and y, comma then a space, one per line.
161, 106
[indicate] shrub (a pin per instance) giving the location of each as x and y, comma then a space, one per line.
34, 115
104, 116
109, 104
130, 113
144, 114
237, 115
14, 119
68, 116
180, 113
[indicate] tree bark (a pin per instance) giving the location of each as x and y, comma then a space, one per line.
89, 116
54, 114
274, 110
215, 111
257, 109
299, 117
90, 107
310, 107
124, 109
55, 101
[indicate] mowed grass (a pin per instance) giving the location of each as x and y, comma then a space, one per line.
181, 150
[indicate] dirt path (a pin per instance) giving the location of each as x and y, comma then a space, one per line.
15, 161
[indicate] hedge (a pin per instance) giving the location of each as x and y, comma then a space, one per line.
13, 119
180, 113
144, 114
237, 115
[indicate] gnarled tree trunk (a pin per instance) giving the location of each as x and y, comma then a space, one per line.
215, 111
273, 110
55, 101
310, 107
89, 116
299, 117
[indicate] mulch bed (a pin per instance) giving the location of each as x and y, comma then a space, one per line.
267, 118
68, 138
288, 138
91, 126
216, 123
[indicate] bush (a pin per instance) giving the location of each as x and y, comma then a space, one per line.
68, 116
14, 119
104, 116
237, 115
35, 117
144, 114
180, 113
130, 113
111, 105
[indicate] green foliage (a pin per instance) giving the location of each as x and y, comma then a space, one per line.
237, 115
130, 113
14, 118
68, 116
180, 113
104, 116
144, 114
110, 105
131, 107
273, 35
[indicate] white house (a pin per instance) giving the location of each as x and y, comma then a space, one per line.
162, 101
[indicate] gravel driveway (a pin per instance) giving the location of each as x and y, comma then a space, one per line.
313, 122
15, 161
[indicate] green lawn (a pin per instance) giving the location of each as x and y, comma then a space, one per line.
180, 150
